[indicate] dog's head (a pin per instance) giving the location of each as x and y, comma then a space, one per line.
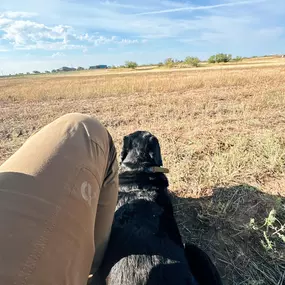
141, 149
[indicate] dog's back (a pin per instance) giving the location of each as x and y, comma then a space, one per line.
145, 246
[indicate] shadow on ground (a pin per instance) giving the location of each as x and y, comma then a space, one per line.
238, 229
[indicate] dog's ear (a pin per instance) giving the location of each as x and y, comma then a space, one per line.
201, 266
155, 152
126, 148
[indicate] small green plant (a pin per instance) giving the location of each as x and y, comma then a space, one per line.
131, 64
194, 61
271, 229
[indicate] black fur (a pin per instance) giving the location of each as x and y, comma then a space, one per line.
145, 246
201, 260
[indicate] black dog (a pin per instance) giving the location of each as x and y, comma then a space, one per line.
145, 246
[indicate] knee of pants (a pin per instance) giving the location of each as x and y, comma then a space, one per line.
94, 128
77, 118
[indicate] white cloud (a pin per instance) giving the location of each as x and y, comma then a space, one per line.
50, 46
16, 15
195, 8
30, 35
96, 39
102, 40
21, 33
129, 41
4, 22
58, 54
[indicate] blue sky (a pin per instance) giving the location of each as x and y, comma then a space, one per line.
42, 35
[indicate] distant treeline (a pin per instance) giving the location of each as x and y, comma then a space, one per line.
189, 61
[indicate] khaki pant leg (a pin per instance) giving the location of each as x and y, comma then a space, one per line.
50, 200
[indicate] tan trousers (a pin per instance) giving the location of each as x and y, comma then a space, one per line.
58, 194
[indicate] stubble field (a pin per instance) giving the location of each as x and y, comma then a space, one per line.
222, 134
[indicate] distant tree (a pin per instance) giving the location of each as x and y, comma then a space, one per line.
54, 71
80, 68
194, 61
28, 73
131, 64
228, 57
220, 57
169, 62
238, 58
65, 68
47, 71
160, 64
212, 59
36, 72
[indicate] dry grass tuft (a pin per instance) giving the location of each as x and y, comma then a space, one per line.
220, 131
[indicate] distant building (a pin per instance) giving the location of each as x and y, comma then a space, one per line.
100, 66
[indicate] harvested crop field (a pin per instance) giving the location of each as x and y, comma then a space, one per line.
222, 133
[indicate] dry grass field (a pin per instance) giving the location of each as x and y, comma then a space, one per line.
222, 133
